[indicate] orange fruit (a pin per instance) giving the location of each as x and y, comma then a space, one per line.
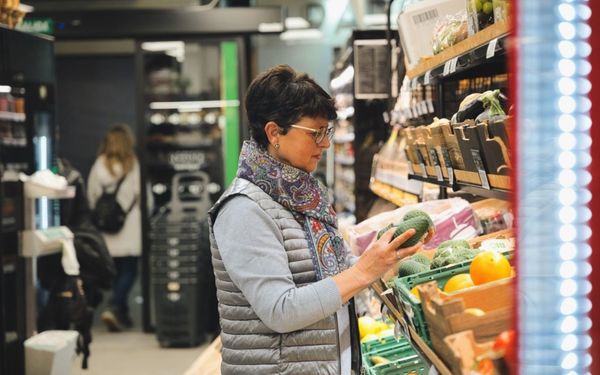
458, 282
489, 266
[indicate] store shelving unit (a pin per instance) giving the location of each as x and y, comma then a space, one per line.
471, 52
482, 54
466, 187
361, 95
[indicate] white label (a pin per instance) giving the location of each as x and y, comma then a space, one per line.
414, 83
430, 106
427, 77
424, 107
438, 173
453, 64
423, 170
451, 176
447, 67
484, 180
491, 49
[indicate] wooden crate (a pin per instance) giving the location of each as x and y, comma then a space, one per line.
445, 313
463, 351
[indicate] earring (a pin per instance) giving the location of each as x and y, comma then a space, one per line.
276, 145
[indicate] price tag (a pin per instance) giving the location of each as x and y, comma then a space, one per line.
422, 163
448, 162
491, 49
447, 68
427, 78
453, 64
430, 108
481, 168
436, 164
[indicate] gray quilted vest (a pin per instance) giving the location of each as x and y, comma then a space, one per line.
249, 346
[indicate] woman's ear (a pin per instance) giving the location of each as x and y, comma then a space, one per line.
272, 132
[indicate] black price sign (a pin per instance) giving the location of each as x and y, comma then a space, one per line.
481, 168
448, 162
436, 164
422, 163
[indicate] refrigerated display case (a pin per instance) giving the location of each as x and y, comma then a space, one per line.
190, 124
27, 144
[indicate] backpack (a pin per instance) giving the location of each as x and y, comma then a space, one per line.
108, 215
96, 264
67, 308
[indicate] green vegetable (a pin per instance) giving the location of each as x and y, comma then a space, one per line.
420, 224
410, 267
453, 252
417, 220
421, 258
382, 231
418, 213
454, 243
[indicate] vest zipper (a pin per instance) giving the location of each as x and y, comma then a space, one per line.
339, 344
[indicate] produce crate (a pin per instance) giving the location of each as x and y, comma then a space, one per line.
382, 343
464, 351
411, 306
445, 314
403, 361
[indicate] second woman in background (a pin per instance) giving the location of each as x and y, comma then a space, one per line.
117, 169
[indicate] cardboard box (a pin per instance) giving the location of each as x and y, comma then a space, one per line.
416, 25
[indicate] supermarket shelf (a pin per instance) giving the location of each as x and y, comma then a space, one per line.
470, 52
12, 116
164, 146
392, 194
467, 188
416, 341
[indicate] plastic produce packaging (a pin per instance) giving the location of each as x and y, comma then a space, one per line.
449, 30
480, 15
453, 219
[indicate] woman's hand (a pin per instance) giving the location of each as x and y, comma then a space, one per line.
382, 255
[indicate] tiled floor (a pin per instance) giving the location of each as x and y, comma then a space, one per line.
134, 353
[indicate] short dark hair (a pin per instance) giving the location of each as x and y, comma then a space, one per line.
282, 95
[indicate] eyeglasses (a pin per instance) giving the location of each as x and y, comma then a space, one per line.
318, 135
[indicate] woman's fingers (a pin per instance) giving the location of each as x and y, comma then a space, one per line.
387, 236
396, 242
403, 253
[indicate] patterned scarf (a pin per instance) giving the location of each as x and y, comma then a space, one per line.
307, 199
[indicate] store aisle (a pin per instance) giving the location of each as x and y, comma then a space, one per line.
135, 353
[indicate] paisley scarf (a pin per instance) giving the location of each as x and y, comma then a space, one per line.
306, 197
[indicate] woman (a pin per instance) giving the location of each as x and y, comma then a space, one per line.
284, 277
117, 161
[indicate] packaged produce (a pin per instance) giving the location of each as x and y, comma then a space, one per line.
453, 219
449, 30
480, 14
500, 10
